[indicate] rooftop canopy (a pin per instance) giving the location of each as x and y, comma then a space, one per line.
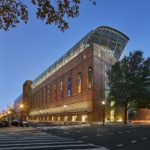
112, 40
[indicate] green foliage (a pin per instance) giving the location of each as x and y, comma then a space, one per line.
129, 81
50, 11
11, 12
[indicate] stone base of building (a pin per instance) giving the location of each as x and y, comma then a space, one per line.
74, 118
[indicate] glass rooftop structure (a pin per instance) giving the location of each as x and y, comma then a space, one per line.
113, 42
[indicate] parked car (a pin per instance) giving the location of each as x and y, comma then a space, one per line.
2, 124
15, 122
25, 123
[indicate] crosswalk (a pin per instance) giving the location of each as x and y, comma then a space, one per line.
40, 141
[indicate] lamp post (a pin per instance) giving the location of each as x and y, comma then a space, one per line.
64, 113
9, 112
9, 117
21, 109
103, 104
40, 116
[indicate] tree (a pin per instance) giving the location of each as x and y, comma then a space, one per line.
129, 82
50, 11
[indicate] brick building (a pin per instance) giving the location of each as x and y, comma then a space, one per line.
73, 88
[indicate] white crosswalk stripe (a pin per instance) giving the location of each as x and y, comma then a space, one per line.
32, 141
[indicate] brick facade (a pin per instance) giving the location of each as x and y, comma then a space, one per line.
47, 100
57, 96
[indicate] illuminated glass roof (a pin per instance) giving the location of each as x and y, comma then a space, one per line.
112, 40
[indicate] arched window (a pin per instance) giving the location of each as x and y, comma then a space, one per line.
55, 92
69, 86
79, 82
48, 94
90, 77
61, 89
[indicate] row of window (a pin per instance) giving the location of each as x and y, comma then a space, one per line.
44, 95
79, 83
74, 118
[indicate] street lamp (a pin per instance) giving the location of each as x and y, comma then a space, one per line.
64, 115
103, 104
21, 108
64, 107
9, 112
9, 117
40, 115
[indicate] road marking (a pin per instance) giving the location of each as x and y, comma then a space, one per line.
144, 138
120, 132
49, 146
128, 131
100, 148
30, 138
99, 135
84, 137
134, 141
66, 132
134, 130
31, 141
111, 133
120, 145
42, 143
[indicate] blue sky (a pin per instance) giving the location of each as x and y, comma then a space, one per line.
28, 50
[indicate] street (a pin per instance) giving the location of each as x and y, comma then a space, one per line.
113, 137
44, 137
24, 139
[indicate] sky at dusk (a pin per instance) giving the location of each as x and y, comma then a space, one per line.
29, 49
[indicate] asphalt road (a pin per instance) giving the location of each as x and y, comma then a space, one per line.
25, 139
113, 137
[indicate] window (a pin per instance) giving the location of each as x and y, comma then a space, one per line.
61, 89
79, 82
69, 86
53, 118
55, 92
41, 98
44, 98
65, 118
84, 118
47, 118
48, 94
90, 77
74, 118
105, 71
58, 118
48, 88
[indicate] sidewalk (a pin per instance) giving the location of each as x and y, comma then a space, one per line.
95, 124
16, 129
